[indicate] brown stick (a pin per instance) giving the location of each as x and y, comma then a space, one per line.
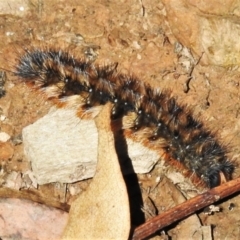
34, 196
185, 209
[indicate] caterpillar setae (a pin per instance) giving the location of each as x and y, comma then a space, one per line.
151, 114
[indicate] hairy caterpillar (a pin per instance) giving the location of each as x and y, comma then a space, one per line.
152, 115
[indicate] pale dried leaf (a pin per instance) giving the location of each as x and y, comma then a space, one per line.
102, 212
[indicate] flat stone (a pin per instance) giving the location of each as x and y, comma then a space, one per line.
63, 148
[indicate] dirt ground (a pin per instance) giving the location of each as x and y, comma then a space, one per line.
139, 39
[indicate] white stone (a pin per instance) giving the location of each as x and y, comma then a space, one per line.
2, 118
4, 137
63, 148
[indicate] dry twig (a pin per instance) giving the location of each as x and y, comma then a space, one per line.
185, 209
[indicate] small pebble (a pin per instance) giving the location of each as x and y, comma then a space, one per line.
4, 137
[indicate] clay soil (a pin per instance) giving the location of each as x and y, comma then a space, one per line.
138, 38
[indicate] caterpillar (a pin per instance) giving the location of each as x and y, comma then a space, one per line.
151, 116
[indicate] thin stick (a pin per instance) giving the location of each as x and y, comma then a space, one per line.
34, 196
185, 209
